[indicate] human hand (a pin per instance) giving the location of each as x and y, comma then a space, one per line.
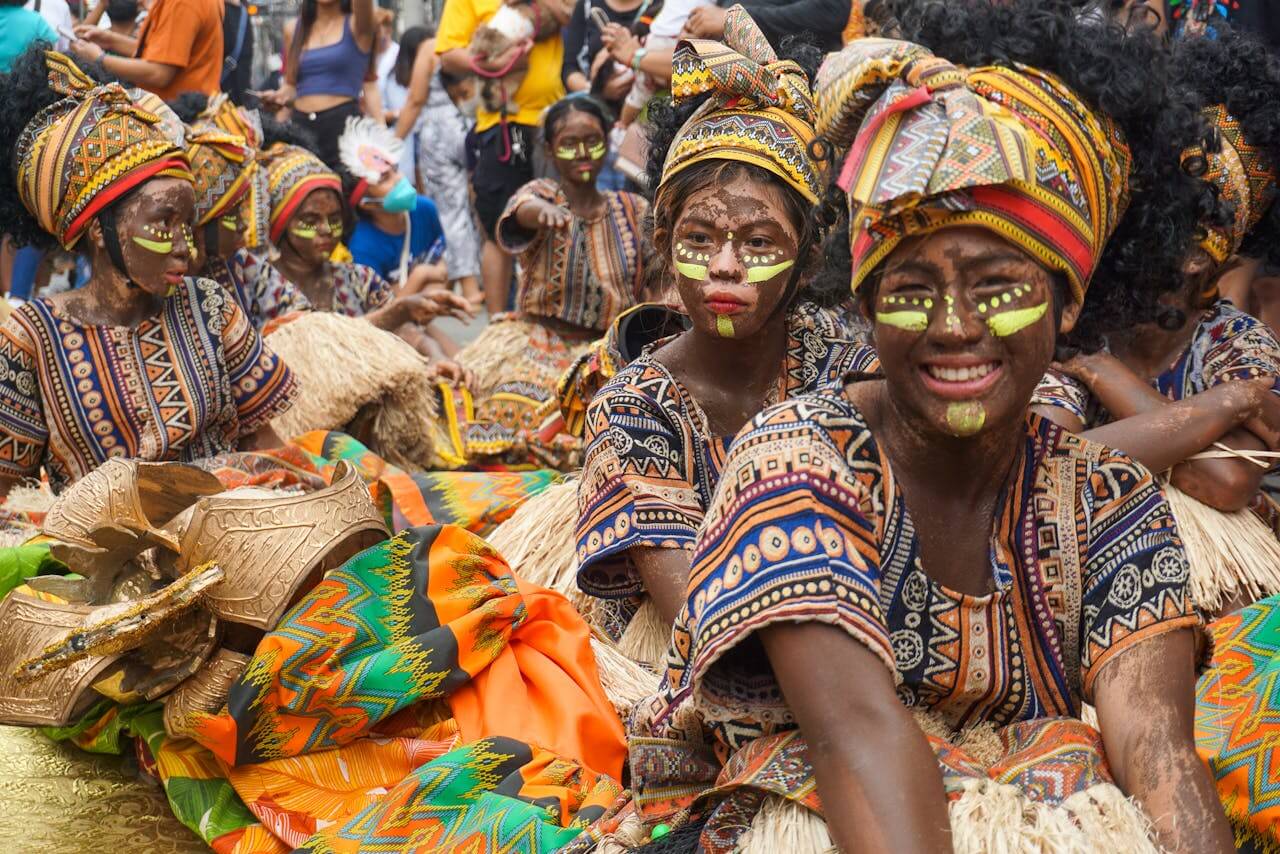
1088, 367
553, 216
451, 372
93, 35
423, 307
620, 42
705, 22
618, 86
86, 51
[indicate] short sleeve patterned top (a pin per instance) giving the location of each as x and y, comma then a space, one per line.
183, 385
586, 274
809, 524
357, 289
1227, 345
651, 462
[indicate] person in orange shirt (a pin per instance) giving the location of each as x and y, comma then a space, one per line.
179, 49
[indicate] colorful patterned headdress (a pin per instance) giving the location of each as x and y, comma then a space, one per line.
1244, 176
237, 121
294, 173
84, 152
931, 145
223, 167
760, 110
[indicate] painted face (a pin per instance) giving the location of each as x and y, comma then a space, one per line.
963, 322
230, 233
733, 248
316, 227
155, 234
578, 148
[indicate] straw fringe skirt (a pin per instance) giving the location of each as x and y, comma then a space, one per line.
1233, 556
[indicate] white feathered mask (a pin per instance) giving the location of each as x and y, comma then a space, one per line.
369, 149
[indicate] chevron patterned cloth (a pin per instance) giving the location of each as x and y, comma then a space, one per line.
293, 173
1238, 720
223, 167
931, 145
1245, 178
82, 153
760, 110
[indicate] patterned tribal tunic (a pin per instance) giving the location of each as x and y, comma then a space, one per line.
357, 289
184, 385
809, 524
1227, 345
652, 464
584, 275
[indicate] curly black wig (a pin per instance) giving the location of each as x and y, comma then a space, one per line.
25, 91
275, 131
1124, 75
1238, 71
665, 121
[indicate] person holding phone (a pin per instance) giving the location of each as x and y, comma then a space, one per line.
584, 70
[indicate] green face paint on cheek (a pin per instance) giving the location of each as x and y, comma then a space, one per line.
910, 321
724, 326
1009, 322
230, 223
965, 418
596, 151
160, 247
304, 231
691, 264
765, 273
566, 152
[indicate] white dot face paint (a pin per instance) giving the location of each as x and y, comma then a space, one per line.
691, 264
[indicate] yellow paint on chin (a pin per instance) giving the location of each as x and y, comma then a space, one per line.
160, 247
697, 272
966, 418
1007, 323
911, 321
724, 326
764, 274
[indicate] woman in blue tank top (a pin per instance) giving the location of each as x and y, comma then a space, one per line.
329, 55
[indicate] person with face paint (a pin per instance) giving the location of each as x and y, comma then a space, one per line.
306, 223
1204, 376
144, 361
732, 228
224, 169
917, 540
582, 255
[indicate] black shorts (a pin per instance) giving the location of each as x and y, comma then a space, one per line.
327, 126
504, 164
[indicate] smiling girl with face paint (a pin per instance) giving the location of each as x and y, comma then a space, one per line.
736, 240
144, 361
917, 538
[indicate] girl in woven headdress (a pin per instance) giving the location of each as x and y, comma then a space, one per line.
1200, 380
735, 185
306, 222
144, 361
917, 538
582, 255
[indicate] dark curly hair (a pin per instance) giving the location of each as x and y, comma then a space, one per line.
665, 121
189, 105
25, 91
274, 131
1238, 71
575, 103
1125, 76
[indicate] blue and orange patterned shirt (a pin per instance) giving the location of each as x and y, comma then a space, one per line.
186, 384
652, 463
809, 524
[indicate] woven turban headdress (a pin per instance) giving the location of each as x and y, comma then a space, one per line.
79, 155
760, 110
930, 145
294, 173
223, 167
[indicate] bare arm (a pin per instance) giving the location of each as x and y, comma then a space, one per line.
372, 99
263, 439
877, 775
141, 72
1161, 433
424, 68
364, 26
96, 13
457, 61
665, 573
1153, 754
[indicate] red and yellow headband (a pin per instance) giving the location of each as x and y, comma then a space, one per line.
294, 173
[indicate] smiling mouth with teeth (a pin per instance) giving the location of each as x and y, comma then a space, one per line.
968, 373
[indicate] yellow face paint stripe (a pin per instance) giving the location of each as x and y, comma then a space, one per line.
697, 272
160, 247
911, 321
724, 325
764, 274
1006, 323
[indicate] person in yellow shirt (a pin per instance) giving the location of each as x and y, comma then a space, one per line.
505, 143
